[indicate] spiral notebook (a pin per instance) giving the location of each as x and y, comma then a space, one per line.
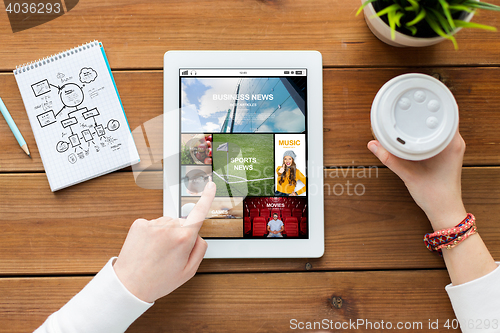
76, 115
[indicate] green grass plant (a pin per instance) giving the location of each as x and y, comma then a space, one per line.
440, 15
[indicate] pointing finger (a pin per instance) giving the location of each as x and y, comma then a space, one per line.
200, 211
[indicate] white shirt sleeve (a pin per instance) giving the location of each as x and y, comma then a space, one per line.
477, 303
103, 306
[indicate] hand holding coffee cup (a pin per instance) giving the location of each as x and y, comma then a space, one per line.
414, 116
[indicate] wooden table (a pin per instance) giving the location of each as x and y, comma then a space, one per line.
375, 265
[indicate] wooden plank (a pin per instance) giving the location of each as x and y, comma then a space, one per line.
257, 302
348, 94
136, 34
89, 220
370, 223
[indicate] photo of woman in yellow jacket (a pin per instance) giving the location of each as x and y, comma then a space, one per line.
288, 175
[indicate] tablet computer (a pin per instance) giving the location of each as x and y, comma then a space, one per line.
251, 121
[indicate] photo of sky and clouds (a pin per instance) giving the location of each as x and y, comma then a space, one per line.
263, 105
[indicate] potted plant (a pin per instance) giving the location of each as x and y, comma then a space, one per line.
421, 22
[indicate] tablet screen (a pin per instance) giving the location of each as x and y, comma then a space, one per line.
245, 129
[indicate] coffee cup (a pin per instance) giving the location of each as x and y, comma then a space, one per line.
414, 116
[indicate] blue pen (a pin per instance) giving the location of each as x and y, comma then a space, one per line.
13, 128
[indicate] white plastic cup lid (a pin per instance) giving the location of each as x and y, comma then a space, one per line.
414, 116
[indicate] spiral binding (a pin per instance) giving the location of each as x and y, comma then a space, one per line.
53, 58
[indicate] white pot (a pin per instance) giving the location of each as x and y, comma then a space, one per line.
383, 32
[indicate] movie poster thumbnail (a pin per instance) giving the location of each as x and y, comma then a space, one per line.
290, 164
243, 164
224, 219
275, 217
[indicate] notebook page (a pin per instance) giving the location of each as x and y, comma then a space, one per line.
76, 116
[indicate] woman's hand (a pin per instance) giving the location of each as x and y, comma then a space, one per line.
282, 169
160, 255
434, 184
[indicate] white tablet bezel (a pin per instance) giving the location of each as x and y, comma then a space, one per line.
313, 247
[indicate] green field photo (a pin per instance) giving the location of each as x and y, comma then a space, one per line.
243, 164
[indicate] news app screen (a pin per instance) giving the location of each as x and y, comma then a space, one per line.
245, 129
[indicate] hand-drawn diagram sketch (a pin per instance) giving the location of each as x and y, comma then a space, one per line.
68, 105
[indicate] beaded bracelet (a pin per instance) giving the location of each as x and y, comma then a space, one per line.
453, 236
457, 241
